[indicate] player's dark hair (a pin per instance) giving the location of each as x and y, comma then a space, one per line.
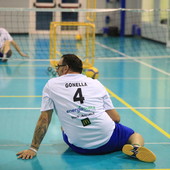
74, 63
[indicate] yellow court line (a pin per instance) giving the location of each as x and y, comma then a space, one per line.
123, 102
20, 96
138, 113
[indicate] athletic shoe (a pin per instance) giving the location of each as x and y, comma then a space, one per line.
4, 60
139, 152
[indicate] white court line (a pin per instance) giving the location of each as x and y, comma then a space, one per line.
145, 108
30, 59
138, 61
13, 145
28, 108
122, 58
115, 58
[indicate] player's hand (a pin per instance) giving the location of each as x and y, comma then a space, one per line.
23, 55
26, 154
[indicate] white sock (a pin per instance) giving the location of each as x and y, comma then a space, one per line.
4, 56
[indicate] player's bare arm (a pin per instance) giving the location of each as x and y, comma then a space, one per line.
41, 128
39, 133
18, 49
114, 115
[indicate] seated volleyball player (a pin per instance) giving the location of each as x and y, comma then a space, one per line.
5, 45
90, 124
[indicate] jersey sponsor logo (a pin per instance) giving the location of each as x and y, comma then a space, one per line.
80, 84
81, 112
86, 122
82, 115
80, 108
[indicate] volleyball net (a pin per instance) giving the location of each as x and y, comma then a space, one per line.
46, 34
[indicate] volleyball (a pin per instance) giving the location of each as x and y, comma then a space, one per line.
78, 37
92, 72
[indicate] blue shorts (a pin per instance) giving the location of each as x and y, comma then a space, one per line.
1, 55
9, 53
118, 139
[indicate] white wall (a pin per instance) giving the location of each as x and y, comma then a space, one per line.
151, 27
14, 3
21, 18
131, 18
18, 22
14, 22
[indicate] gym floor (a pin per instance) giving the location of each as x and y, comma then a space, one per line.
136, 73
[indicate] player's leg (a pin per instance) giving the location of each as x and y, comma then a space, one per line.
1, 55
136, 149
6, 47
137, 139
6, 51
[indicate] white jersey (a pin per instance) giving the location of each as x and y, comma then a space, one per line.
4, 36
80, 103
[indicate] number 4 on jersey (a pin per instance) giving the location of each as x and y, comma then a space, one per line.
78, 96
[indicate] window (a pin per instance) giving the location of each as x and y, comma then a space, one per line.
69, 17
164, 4
69, 1
147, 16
